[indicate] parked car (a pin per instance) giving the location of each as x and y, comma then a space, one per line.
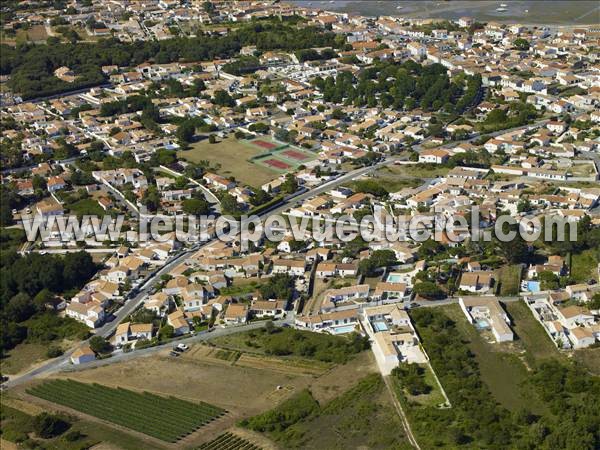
183, 347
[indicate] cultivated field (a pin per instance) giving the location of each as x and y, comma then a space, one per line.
245, 387
168, 419
228, 441
233, 157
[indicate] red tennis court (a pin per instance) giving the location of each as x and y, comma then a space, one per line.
298, 156
264, 144
277, 164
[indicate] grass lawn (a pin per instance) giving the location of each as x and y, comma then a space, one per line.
233, 157
584, 265
509, 280
86, 206
241, 286
434, 398
583, 170
590, 358
23, 356
530, 332
502, 371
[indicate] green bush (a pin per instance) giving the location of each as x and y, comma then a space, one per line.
288, 413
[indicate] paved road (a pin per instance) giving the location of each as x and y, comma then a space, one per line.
199, 337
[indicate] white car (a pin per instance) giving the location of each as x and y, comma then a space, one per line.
183, 347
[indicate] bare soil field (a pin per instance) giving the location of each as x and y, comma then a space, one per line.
245, 387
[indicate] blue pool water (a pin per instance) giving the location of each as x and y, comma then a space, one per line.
380, 326
394, 278
533, 286
482, 324
342, 330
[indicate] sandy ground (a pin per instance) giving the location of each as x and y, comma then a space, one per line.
243, 391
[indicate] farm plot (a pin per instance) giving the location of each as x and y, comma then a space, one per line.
228, 441
168, 419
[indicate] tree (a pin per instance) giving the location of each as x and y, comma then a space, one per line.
54, 351
196, 206
269, 327
521, 44
185, 132
290, 185
212, 139
100, 345
229, 204
78, 268
209, 7
39, 183
48, 426
548, 280
259, 127
20, 308
379, 258
514, 250
279, 286
222, 98
166, 332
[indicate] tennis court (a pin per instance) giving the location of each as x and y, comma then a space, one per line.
276, 163
294, 154
264, 144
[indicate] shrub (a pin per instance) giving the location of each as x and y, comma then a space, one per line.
54, 351
48, 426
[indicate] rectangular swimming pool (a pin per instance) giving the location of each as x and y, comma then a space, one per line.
394, 278
343, 329
533, 286
380, 326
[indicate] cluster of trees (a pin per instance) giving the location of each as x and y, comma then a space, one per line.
377, 260
326, 348
412, 378
310, 54
32, 66
242, 65
285, 415
372, 187
406, 85
28, 286
280, 286
517, 114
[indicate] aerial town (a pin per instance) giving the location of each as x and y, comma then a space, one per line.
145, 111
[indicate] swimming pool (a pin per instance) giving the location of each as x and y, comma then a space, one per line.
380, 326
394, 278
482, 324
533, 286
343, 329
